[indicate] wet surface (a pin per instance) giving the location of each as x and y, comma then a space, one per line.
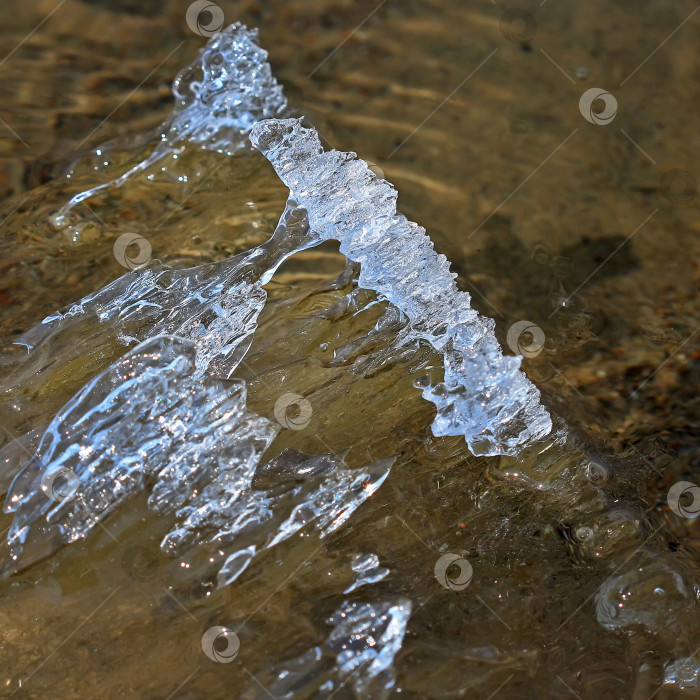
584, 580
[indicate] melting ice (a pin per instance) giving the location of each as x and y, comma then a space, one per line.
150, 419
484, 395
218, 99
165, 418
359, 650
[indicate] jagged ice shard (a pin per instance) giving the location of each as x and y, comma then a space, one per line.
196, 325
151, 423
484, 395
133, 431
359, 651
218, 99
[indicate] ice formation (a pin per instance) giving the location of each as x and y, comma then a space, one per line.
683, 674
367, 570
150, 423
484, 395
195, 325
366, 637
359, 651
216, 305
218, 99
165, 419
651, 594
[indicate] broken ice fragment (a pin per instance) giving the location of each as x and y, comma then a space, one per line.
484, 396
359, 652
146, 418
683, 674
218, 98
366, 638
368, 571
152, 422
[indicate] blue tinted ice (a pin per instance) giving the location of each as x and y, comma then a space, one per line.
224, 92
152, 423
359, 652
166, 420
484, 395
218, 98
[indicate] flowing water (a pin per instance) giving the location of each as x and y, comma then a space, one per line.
282, 520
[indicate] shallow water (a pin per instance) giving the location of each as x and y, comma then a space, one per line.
585, 582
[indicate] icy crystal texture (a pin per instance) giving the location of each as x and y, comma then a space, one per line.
149, 419
218, 98
367, 568
145, 417
484, 395
216, 305
366, 638
164, 417
683, 674
225, 92
359, 652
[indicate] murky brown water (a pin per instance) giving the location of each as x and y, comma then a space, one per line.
472, 111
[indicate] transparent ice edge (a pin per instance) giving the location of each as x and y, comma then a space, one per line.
216, 305
151, 423
218, 99
359, 651
484, 396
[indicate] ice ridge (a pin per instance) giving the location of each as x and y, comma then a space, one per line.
484, 395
